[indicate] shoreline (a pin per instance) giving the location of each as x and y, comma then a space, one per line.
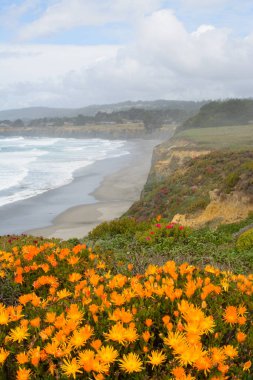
115, 194
99, 192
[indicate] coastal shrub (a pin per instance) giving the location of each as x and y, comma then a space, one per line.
162, 231
122, 226
199, 247
73, 241
245, 241
74, 318
230, 181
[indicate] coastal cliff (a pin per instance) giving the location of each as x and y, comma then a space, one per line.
102, 131
196, 186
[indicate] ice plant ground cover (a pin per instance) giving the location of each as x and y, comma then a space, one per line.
65, 312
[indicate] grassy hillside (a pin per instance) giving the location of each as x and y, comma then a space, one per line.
222, 113
229, 137
187, 189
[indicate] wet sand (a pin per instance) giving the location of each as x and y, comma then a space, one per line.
121, 183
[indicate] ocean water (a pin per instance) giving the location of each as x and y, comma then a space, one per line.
32, 166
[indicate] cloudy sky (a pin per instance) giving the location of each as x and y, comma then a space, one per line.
71, 53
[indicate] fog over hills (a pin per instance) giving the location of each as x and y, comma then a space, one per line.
41, 112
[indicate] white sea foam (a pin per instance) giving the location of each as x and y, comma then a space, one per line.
31, 166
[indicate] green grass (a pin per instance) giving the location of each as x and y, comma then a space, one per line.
197, 247
234, 137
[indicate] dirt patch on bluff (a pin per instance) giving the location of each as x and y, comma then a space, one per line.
224, 208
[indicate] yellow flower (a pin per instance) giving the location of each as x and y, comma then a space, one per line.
148, 322
204, 363
81, 336
86, 360
117, 299
50, 317
146, 336
34, 354
74, 313
3, 355
131, 363
217, 355
230, 315
72, 260
64, 293
121, 315
207, 325
85, 356
70, 367
23, 374
35, 322
180, 374
116, 333
107, 354
230, 351
247, 366
242, 310
189, 355
131, 334
240, 336
156, 358
4, 315
22, 358
100, 367
74, 277
19, 333
96, 344
175, 339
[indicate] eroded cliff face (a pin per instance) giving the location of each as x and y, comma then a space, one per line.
167, 157
228, 203
223, 208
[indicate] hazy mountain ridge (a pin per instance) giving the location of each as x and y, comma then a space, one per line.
30, 113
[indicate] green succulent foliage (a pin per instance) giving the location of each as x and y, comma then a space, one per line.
245, 241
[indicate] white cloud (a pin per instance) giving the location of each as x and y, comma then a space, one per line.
164, 61
203, 4
66, 14
10, 17
20, 63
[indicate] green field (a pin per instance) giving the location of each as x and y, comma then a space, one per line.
234, 137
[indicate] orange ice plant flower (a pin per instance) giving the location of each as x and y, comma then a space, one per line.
96, 344
19, 334
35, 322
247, 365
148, 322
131, 363
108, 354
4, 315
156, 358
116, 333
3, 355
146, 336
230, 315
22, 358
23, 374
131, 334
70, 367
241, 337
230, 351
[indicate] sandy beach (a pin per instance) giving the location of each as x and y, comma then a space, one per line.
118, 182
